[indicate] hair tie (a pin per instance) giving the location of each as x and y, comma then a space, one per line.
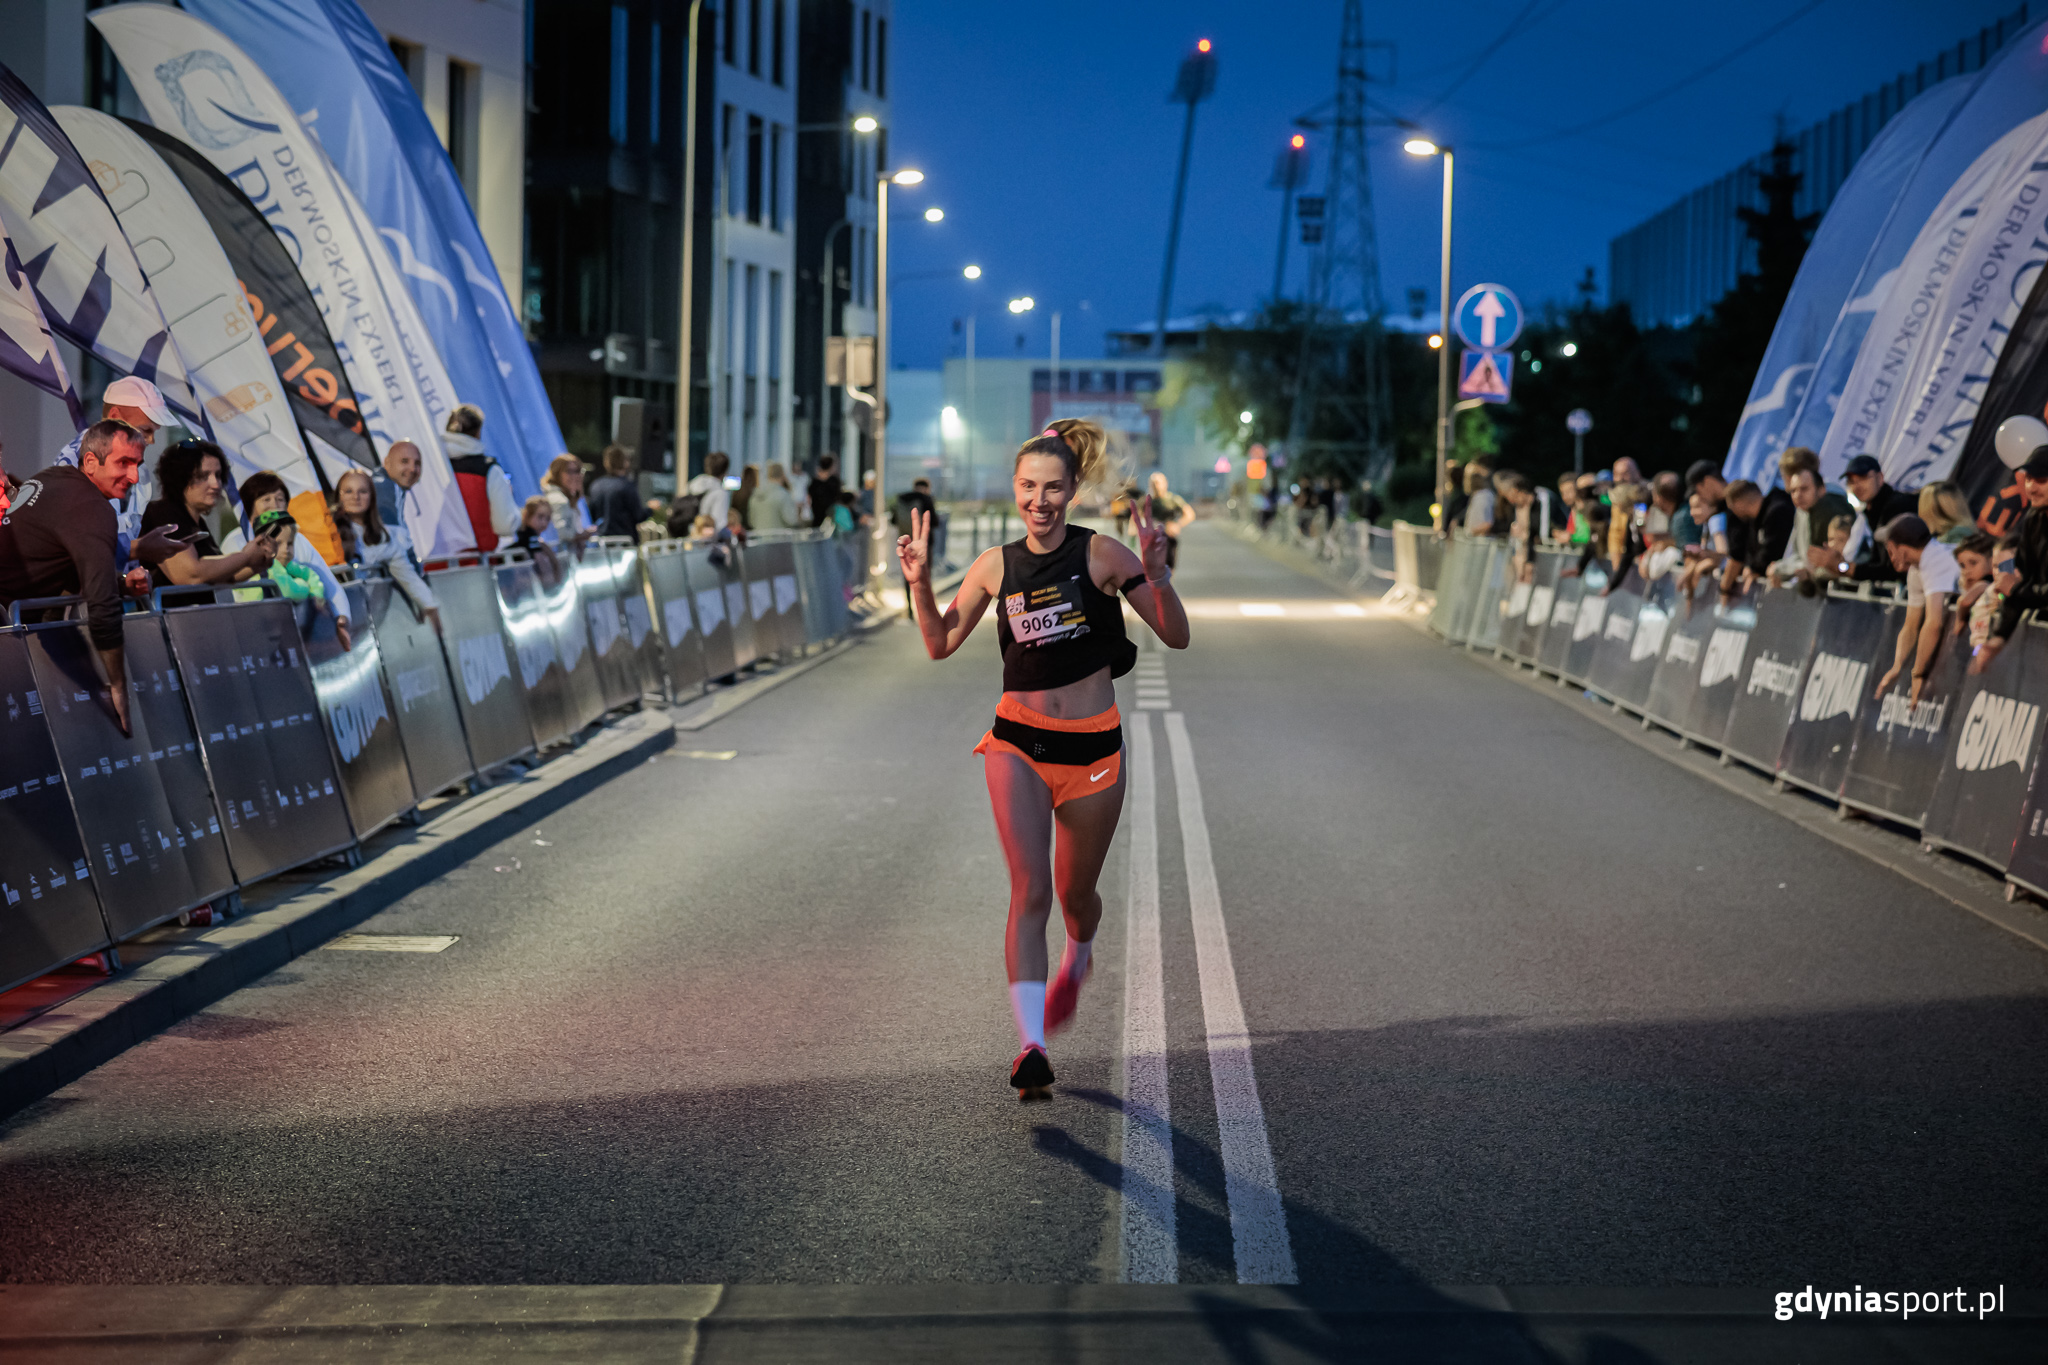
1050, 432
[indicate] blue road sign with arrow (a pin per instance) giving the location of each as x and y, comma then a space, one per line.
1488, 317
1485, 375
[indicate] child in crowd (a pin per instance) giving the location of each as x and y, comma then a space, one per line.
536, 520
2005, 576
1973, 567
301, 586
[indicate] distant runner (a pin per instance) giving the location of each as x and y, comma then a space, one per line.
1174, 515
1055, 753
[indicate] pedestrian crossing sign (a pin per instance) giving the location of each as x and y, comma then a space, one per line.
1484, 375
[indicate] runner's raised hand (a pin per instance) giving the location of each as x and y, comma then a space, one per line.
914, 551
1152, 544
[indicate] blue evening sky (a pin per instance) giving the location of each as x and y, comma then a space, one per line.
1046, 136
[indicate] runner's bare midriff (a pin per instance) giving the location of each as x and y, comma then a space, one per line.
1091, 696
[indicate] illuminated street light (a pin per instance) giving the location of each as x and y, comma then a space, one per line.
972, 272
1571, 348
865, 124
1023, 305
934, 215
1297, 142
908, 178
1202, 46
1245, 417
1422, 146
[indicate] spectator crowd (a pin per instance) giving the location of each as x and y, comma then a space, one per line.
1704, 533
77, 527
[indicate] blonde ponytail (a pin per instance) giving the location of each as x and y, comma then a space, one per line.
1079, 444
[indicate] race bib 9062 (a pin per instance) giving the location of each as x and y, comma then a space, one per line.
1046, 614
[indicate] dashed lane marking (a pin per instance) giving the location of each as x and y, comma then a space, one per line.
1258, 1220
1148, 1246
392, 943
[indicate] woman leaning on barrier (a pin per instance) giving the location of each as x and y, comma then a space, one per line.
369, 544
1054, 756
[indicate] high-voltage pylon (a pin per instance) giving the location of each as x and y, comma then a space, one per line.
1342, 378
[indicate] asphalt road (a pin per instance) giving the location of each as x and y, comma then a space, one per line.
1526, 1005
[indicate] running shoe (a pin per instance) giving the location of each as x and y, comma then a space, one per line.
1031, 1073
1062, 995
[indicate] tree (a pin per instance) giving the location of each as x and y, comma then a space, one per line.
1729, 343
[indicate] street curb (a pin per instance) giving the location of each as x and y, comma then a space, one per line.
1963, 885
296, 913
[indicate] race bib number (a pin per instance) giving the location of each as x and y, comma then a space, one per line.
1046, 614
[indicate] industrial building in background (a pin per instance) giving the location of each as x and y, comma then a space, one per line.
1673, 267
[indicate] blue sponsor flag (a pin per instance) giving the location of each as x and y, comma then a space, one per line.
2004, 95
1814, 309
338, 71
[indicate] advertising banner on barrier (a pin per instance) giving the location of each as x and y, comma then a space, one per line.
1523, 637
1489, 605
584, 693
1678, 664
789, 603
1556, 644
739, 612
714, 623
1992, 753
416, 678
252, 698
1589, 623
1452, 588
1613, 673
2029, 866
481, 648
49, 913
1900, 742
611, 650
682, 647
135, 842
1851, 649
753, 564
157, 694
1768, 690
359, 713
534, 649
629, 579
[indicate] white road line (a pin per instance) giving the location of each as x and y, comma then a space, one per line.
1258, 1220
1150, 1253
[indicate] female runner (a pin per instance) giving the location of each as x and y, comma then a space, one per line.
1055, 753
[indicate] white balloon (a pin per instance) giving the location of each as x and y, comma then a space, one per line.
2019, 437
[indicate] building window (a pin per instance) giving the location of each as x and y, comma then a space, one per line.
412, 58
775, 177
781, 27
753, 330
463, 90
654, 88
860, 267
732, 291
775, 324
867, 34
732, 32
881, 59
725, 170
619, 34
753, 37
754, 140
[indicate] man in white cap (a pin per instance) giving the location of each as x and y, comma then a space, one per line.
138, 403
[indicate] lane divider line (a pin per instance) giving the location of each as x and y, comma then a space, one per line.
1258, 1220
1149, 1249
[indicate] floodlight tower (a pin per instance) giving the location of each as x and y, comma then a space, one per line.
1196, 83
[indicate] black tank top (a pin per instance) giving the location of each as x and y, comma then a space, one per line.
1053, 625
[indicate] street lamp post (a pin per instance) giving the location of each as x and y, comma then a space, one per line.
1420, 146
1052, 388
685, 384
878, 537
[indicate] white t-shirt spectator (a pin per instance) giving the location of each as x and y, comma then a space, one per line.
1936, 572
1479, 512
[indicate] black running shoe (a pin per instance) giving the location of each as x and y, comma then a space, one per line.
1031, 1071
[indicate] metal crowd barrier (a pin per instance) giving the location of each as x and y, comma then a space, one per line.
1784, 683
257, 745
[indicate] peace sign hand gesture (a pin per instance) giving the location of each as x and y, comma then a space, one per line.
914, 551
1152, 542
